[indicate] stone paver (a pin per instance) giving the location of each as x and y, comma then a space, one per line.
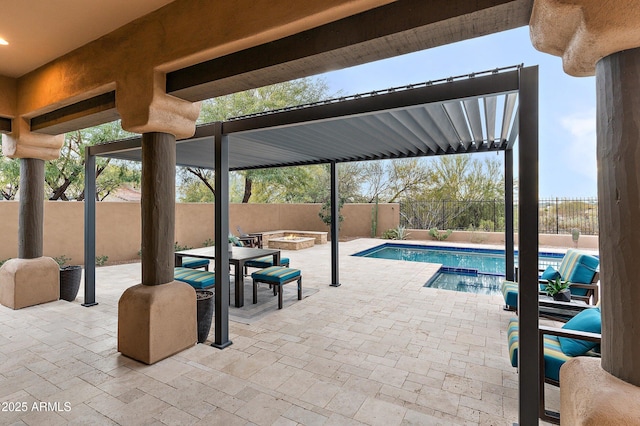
379, 350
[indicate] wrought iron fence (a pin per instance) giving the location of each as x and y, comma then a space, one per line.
556, 215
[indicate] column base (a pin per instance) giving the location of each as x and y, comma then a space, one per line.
155, 322
591, 396
28, 282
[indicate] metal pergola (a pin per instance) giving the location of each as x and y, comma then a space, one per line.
479, 112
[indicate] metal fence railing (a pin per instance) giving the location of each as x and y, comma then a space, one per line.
556, 215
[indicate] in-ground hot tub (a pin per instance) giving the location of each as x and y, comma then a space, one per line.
291, 242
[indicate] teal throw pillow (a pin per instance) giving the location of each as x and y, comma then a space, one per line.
588, 320
550, 273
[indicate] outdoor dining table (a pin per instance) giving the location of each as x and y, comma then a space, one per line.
237, 257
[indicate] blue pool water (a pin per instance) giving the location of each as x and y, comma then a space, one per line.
472, 270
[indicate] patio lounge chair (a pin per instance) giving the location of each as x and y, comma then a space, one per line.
577, 267
578, 337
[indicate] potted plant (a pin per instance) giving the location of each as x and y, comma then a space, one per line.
558, 289
70, 276
204, 300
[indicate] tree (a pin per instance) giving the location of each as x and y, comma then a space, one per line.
9, 178
456, 179
65, 175
276, 96
391, 180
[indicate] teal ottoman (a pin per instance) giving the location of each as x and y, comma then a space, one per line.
276, 276
196, 279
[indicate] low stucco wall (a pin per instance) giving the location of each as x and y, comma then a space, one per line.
118, 228
587, 242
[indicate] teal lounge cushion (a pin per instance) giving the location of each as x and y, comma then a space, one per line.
578, 267
197, 279
553, 355
550, 273
510, 293
276, 274
588, 320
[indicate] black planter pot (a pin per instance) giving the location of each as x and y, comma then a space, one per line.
563, 296
204, 300
70, 282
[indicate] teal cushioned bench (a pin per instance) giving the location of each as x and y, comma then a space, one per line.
264, 262
195, 263
197, 279
276, 276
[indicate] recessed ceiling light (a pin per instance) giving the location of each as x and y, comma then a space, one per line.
3, 41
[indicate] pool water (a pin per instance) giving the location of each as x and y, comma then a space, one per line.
471, 270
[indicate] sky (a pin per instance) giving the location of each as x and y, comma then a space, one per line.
567, 105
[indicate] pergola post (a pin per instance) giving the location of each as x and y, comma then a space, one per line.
508, 215
221, 237
528, 353
335, 225
89, 229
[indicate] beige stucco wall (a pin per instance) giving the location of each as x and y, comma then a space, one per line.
119, 225
587, 242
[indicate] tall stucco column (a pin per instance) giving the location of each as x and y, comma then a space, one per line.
156, 318
603, 38
158, 207
30, 279
31, 211
618, 97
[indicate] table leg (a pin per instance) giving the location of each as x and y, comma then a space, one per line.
178, 260
239, 266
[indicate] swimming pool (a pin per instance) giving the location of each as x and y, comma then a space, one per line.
474, 270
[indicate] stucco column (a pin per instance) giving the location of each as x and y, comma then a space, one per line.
30, 279
156, 318
618, 125
31, 212
158, 207
603, 38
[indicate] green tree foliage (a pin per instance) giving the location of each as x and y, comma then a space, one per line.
459, 178
65, 176
262, 185
9, 178
462, 177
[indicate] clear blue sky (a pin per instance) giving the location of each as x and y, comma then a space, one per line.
567, 104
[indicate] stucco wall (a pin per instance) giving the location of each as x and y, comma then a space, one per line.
119, 225
588, 242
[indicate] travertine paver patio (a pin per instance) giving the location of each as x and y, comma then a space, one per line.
378, 350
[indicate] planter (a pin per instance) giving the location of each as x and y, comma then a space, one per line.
70, 282
563, 296
204, 300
